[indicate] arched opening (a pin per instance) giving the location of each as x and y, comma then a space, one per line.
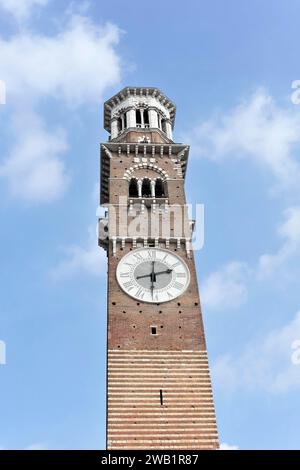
146, 118
146, 188
138, 118
159, 120
159, 188
164, 125
133, 188
119, 124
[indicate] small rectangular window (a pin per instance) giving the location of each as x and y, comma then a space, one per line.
153, 330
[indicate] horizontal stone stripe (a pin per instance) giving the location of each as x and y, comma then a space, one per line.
169, 407
162, 433
167, 400
182, 446
162, 377
166, 395
156, 411
142, 400
180, 385
157, 351
161, 360
143, 359
164, 427
132, 373
144, 414
206, 405
157, 360
158, 384
149, 447
162, 367
168, 435
158, 356
167, 441
179, 391
154, 387
162, 419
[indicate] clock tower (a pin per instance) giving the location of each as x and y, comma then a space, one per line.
159, 392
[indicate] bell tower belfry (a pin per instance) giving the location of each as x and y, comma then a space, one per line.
159, 392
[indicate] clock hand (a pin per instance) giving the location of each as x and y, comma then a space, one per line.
145, 275
153, 279
168, 271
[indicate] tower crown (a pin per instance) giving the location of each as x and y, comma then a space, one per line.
139, 109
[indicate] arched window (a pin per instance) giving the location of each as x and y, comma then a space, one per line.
133, 188
138, 118
146, 118
159, 120
163, 125
146, 188
119, 124
159, 188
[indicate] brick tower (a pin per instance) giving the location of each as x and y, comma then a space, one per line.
158, 383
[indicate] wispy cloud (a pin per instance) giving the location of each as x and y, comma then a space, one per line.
81, 260
225, 446
289, 231
21, 10
34, 170
265, 363
73, 67
76, 65
257, 129
226, 288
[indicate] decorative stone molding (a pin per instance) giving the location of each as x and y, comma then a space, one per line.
107, 152
128, 174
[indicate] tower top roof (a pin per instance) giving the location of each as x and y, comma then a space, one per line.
138, 92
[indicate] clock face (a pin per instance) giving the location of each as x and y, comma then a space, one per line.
153, 275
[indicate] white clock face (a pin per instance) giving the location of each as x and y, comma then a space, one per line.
153, 275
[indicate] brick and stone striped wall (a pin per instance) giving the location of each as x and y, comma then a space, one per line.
160, 399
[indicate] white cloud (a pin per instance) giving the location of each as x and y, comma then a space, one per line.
225, 446
226, 288
76, 65
289, 230
257, 129
266, 363
21, 9
89, 259
34, 170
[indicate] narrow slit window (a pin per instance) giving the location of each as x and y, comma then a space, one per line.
161, 397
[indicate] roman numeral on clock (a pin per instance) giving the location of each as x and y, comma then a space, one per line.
181, 275
138, 256
151, 254
140, 293
175, 265
178, 285
128, 285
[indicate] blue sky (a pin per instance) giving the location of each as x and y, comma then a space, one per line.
229, 67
